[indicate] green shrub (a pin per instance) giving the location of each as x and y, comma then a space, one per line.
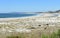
53, 35
44, 36
58, 34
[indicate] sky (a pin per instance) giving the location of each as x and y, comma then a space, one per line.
28, 5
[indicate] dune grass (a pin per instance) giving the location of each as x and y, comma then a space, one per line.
53, 35
33, 35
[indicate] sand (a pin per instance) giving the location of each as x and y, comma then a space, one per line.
27, 22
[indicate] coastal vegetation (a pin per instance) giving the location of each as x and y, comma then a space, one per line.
55, 34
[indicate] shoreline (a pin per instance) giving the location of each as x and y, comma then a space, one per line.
38, 15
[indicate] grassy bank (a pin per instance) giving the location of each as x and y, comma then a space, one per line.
53, 35
36, 35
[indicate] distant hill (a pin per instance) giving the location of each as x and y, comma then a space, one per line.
57, 11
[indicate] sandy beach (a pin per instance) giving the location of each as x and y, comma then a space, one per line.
32, 20
45, 23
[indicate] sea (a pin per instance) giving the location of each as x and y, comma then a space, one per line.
14, 15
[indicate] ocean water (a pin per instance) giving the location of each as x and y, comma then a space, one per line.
12, 15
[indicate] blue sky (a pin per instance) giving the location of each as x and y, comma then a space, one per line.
28, 5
